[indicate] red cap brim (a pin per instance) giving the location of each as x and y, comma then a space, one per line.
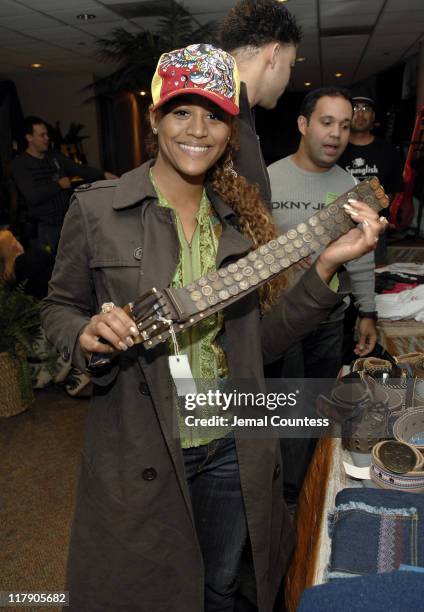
224, 103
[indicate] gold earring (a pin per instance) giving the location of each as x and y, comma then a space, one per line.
155, 130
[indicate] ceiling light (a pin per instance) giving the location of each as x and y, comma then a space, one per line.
86, 16
142, 93
307, 84
282, 0
300, 59
338, 74
36, 65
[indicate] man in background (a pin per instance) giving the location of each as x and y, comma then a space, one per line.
366, 156
303, 184
262, 36
43, 179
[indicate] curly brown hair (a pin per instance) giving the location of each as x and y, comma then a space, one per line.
255, 221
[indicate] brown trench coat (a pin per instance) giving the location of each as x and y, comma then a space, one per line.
133, 544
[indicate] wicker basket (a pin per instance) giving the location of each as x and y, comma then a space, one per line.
11, 400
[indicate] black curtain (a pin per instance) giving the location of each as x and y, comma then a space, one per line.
11, 120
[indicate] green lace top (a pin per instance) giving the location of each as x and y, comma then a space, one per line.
202, 343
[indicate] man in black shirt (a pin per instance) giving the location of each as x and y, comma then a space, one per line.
366, 156
262, 36
42, 177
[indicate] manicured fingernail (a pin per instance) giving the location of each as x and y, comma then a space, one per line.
122, 346
353, 213
383, 220
352, 201
129, 341
347, 207
365, 222
134, 330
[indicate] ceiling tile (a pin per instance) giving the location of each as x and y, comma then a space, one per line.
12, 9
401, 5
84, 6
412, 17
60, 33
200, 6
342, 21
101, 29
350, 7
70, 15
26, 23
399, 28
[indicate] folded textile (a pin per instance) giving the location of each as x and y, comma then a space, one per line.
374, 531
387, 280
408, 304
399, 287
395, 591
402, 267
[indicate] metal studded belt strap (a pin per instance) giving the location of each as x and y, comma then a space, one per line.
186, 306
397, 465
156, 311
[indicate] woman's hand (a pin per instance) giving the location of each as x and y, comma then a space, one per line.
116, 327
355, 243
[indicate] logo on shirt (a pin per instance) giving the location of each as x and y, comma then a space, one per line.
290, 205
359, 167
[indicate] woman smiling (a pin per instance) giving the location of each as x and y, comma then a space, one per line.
162, 516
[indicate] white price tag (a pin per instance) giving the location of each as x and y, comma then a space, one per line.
182, 375
361, 473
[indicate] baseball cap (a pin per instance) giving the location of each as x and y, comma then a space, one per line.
370, 101
200, 69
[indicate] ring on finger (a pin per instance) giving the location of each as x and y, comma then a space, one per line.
107, 307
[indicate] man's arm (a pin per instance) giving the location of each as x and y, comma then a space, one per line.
70, 168
362, 278
33, 193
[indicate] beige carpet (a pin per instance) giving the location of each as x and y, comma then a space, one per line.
39, 462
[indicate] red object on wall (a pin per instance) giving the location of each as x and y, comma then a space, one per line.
402, 208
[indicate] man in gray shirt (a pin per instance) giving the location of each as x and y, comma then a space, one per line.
308, 181
301, 184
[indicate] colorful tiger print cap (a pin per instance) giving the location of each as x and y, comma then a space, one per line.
200, 69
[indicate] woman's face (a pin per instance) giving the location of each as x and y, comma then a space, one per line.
193, 134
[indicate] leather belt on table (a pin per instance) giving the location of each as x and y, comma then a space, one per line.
156, 312
372, 365
383, 474
409, 428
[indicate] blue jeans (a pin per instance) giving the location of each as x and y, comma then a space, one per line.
374, 531
213, 477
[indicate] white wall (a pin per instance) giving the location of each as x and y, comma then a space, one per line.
58, 97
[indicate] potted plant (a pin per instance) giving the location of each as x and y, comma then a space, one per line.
20, 327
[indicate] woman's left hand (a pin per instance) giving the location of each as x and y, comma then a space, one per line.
355, 243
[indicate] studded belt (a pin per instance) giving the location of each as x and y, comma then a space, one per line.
157, 311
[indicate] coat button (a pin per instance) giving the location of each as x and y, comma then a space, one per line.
277, 471
144, 388
149, 473
138, 253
